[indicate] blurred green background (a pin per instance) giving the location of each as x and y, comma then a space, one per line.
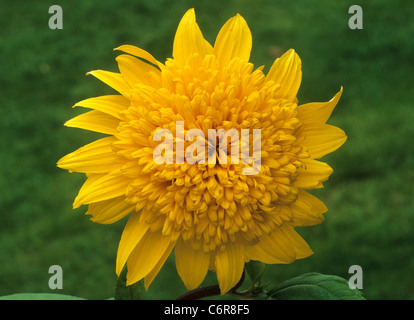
370, 221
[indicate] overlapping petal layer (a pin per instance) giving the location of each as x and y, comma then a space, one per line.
213, 216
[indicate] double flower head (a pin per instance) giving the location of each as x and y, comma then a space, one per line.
211, 215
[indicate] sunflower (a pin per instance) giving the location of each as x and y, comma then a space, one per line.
212, 215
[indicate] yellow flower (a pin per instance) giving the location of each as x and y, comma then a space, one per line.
212, 215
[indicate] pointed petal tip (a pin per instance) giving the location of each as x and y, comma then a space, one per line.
93, 72
76, 204
61, 161
131, 282
306, 255
239, 18
189, 14
287, 71
118, 267
146, 283
292, 54
289, 55
189, 39
338, 95
233, 40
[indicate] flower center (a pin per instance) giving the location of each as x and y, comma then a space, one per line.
211, 204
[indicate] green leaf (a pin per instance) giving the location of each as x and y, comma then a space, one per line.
39, 296
315, 286
255, 270
124, 292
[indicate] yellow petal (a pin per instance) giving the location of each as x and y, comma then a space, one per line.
151, 276
140, 53
229, 266
322, 139
132, 234
286, 71
109, 211
100, 187
135, 70
192, 265
112, 79
301, 248
111, 104
146, 255
312, 174
189, 39
282, 246
95, 121
318, 111
307, 210
273, 248
95, 157
233, 40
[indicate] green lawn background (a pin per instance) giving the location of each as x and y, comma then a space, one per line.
370, 221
